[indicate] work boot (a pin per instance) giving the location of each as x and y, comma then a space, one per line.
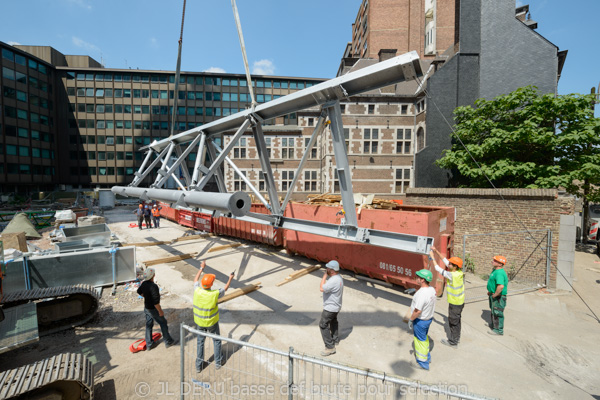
495, 332
171, 343
328, 352
448, 343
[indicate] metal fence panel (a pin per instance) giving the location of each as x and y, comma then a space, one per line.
254, 372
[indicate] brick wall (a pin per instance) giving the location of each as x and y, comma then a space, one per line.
483, 212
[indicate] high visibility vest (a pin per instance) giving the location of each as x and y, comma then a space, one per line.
456, 288
156, 212
206, 311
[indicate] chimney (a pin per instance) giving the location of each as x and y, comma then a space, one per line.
386, 54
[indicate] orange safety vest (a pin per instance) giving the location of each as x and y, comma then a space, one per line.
156, 212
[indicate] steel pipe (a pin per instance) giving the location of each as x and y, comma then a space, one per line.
238, 203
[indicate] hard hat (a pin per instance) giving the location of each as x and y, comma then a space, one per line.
149, 274
155, 205
334, 265
456, 261
207, 281
141, 205
425, 274
500, 259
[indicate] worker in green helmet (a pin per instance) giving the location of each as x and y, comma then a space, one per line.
422, 309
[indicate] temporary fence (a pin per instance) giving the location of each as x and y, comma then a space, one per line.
249, 371
528, 255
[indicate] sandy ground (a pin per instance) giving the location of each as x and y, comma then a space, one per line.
549, 350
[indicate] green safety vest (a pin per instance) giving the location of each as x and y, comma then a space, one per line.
206, 311
456, 288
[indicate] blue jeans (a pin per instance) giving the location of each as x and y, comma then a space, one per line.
156, 221
215, 331
151, 316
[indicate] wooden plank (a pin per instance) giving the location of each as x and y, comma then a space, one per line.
299, 274
193, 237
240, 292
227, 246
169, 259
146, 244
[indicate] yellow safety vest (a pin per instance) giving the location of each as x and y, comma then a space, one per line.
206, 311
456, 288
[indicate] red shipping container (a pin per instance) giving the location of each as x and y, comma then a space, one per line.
172, 214
394, 266
186, 218
249, 230
202, 221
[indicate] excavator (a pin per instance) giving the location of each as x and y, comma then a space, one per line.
25, 315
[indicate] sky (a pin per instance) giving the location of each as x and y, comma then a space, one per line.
283, 37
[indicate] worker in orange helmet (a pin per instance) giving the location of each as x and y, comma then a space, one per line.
455, 287
497, 287
206, 314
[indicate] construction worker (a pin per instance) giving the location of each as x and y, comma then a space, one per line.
332, 289
147, 216
206, 313
156, 216
497, 287
140, 215
455, 287
153, 311
422, 309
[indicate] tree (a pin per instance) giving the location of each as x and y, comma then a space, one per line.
527, 140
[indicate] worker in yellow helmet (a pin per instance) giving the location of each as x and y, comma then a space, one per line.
206, 313
455, 286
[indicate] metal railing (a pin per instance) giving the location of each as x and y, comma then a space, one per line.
250, 371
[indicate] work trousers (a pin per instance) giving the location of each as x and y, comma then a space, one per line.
200, 345
151, 316
421, 341
454, 313
156, 221
497, 305
329, 328
148, 220
140, 221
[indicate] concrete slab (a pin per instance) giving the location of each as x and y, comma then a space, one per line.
549, 350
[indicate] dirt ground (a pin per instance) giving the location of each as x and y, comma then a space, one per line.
549, 349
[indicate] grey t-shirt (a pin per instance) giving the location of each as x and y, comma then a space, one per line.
332, 293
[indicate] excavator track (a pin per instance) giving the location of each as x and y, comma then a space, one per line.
58, 308
65, 376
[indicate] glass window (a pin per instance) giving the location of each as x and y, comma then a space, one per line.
126, 93
33, 64
22, 114
9, 55
89, 92
24, 151
11, 150
23, 132
8, 73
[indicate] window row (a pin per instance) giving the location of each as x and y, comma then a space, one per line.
286, 177
18, 113
101, 171
26, 169
105, 155
12, 93
25, 151
17, 76
13, 131
21, 60
128, 124
191, 80
167, 94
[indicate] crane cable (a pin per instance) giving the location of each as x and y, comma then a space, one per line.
502, 197
177, 73
243, 46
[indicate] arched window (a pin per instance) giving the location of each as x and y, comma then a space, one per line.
420, 139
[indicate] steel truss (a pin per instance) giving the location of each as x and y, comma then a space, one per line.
327, 95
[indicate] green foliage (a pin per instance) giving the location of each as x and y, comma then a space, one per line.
469, 263
527, 140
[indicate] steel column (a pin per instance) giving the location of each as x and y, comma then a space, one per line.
165, 163
142, 175
265, 164
199, 161
181, 159
186, 173
219, 172
341, 163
